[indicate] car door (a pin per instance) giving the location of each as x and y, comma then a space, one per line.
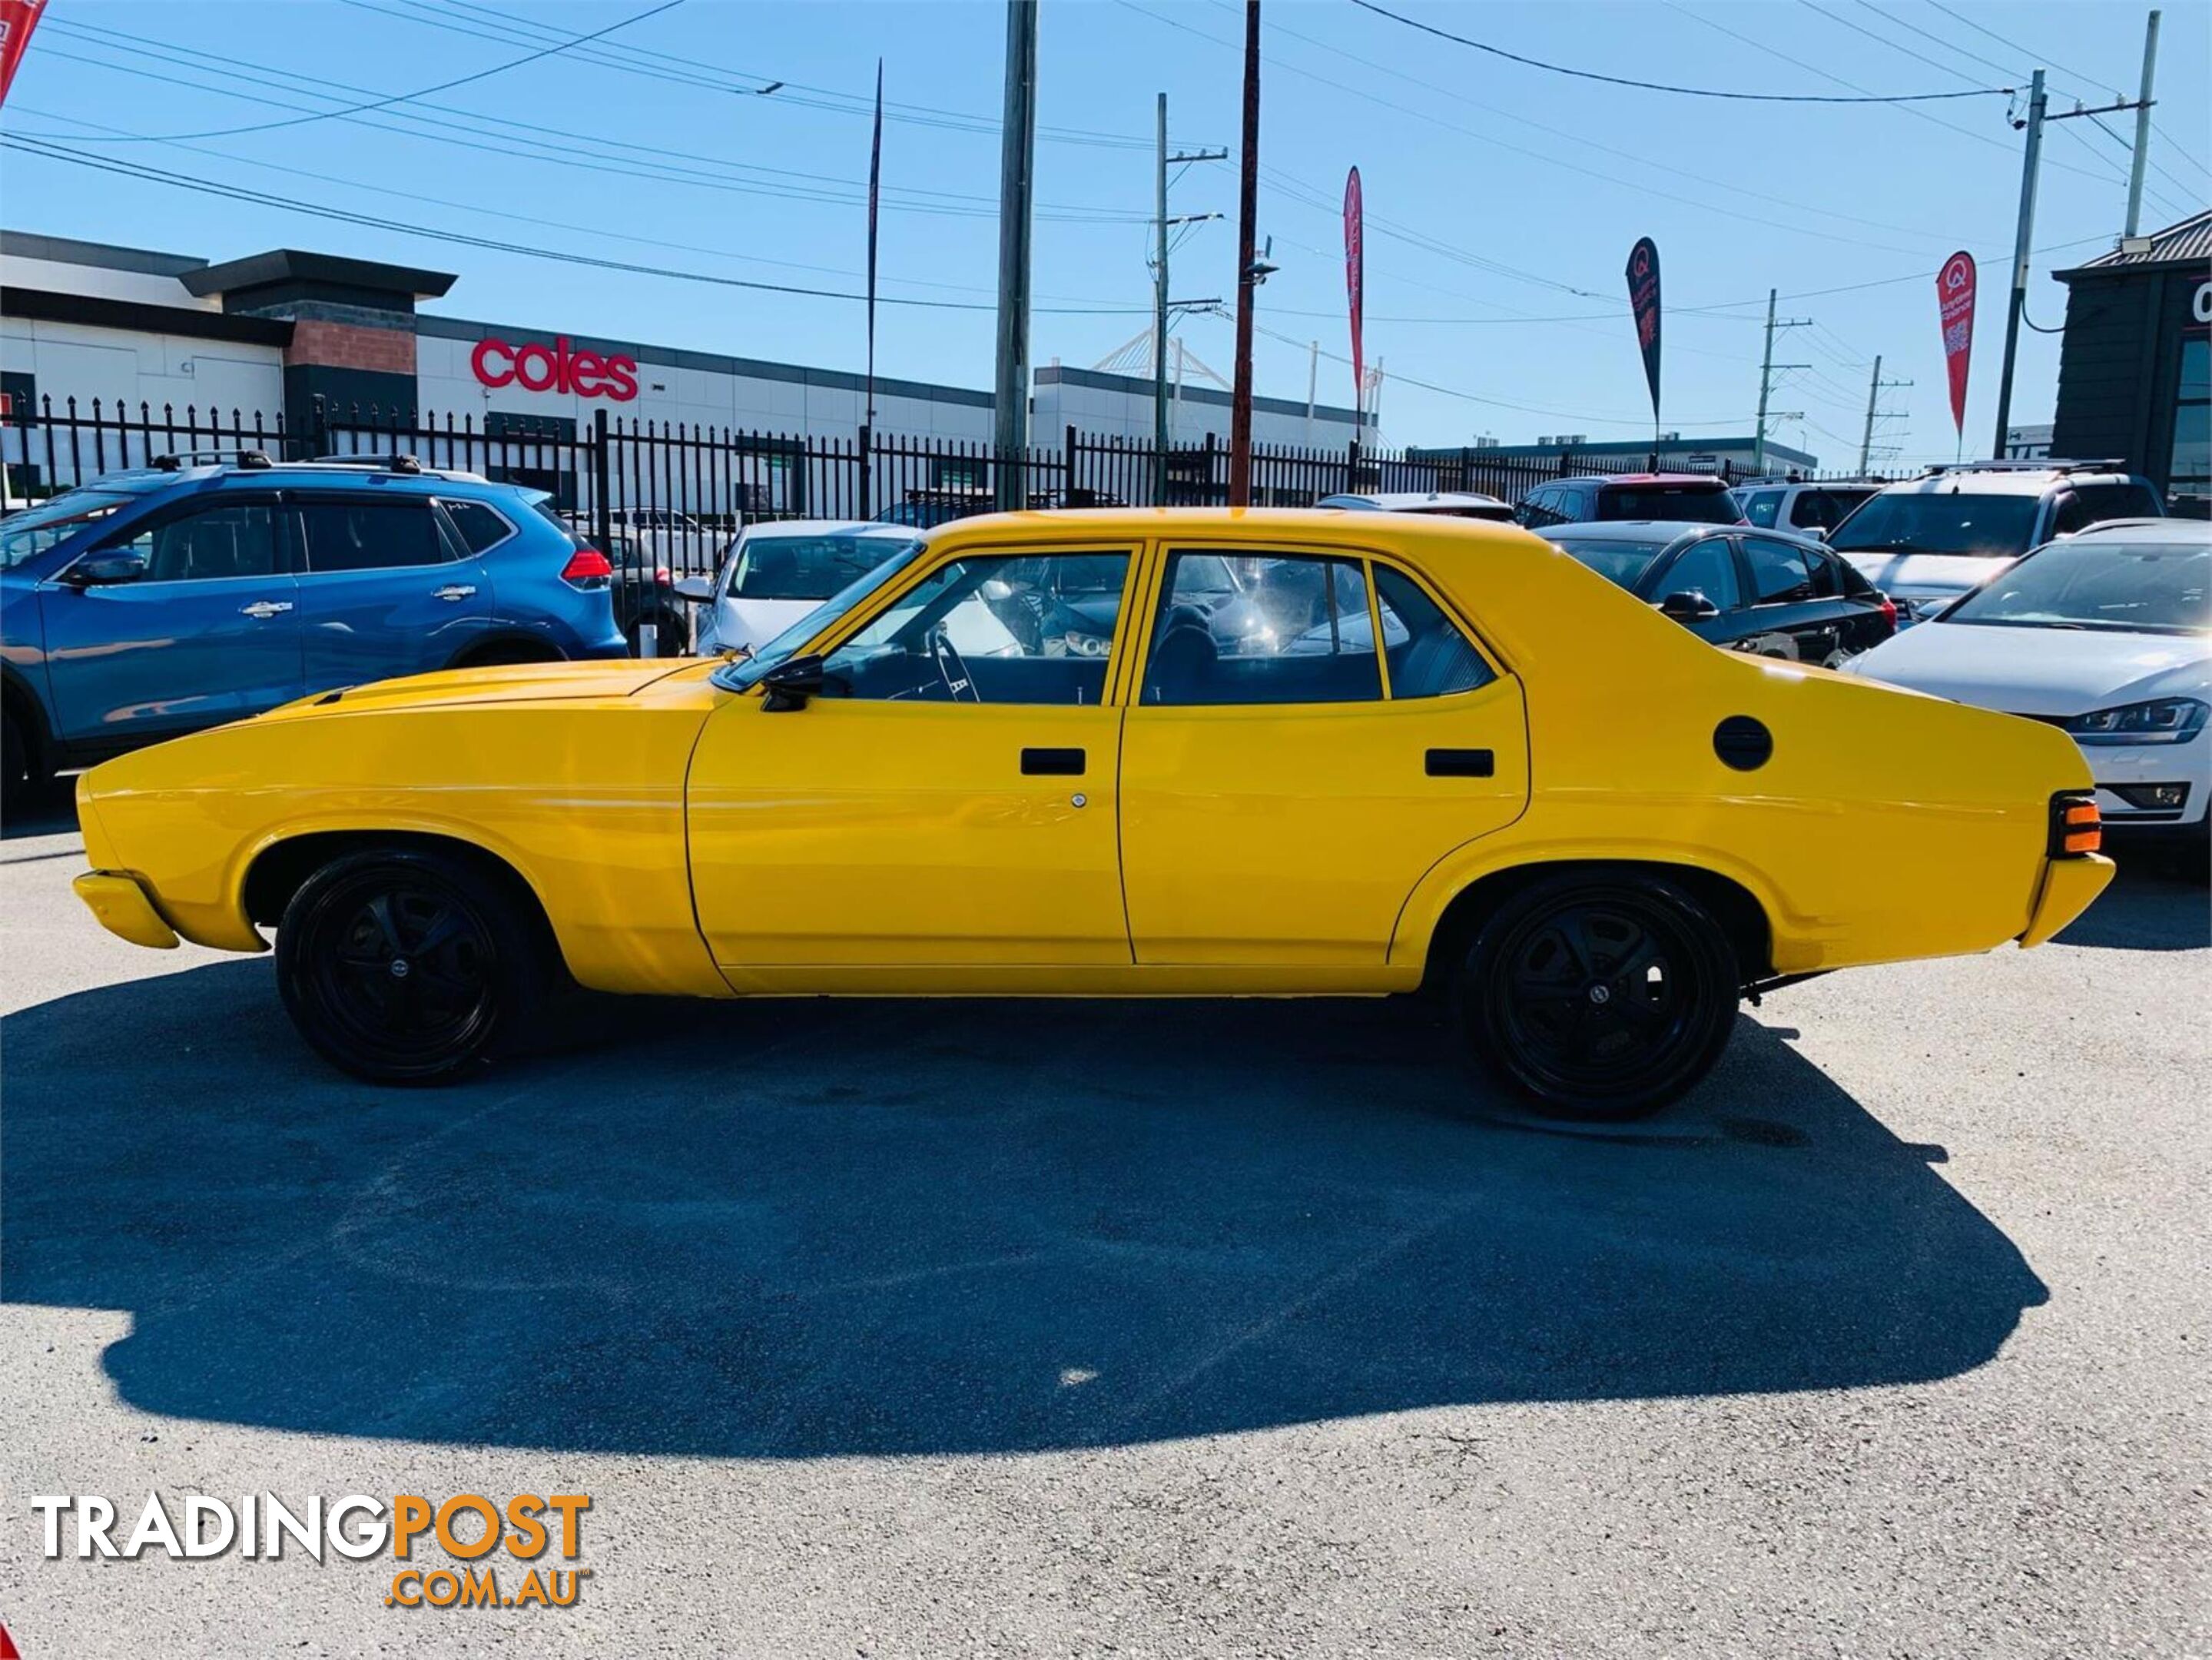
385, 587
209, 632
1283, 784
1793, 610
948, 799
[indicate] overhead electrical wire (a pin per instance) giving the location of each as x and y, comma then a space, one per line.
1687, 91
239, 193
396, 98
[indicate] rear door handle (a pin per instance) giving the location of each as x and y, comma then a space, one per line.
265, 608
1052, 764
1462, 764
452, 591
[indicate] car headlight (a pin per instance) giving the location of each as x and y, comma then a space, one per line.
2162, 721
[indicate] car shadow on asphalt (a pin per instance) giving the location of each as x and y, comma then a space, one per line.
48, 809
813, 1228
2147, 906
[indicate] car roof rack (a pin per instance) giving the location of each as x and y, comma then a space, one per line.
2011, 465
178, 460
398, 463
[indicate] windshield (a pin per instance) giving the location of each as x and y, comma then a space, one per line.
31, 532
2146, 587
806, 567
737, 677
1956, 521
1697, 504
1615, 560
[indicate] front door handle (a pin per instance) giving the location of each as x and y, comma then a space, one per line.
1462, 764
264, 609
1052, 764
455, 591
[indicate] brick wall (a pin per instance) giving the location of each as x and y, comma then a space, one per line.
348, 346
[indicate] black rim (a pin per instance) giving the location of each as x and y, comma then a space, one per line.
405, 970
1597, 997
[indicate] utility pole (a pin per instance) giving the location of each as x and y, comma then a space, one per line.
1313, 390
1016, 173
1162, 306
1875, 391
2031, 157
1248, 275
2142, 125
1767, 366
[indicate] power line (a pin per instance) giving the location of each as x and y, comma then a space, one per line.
263, 198
1687, 91
396, 98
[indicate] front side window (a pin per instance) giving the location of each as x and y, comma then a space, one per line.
1262, 628
370, 535
1428, 655
1706, 568
1779, 575
1002, 628
40, 529
207, 544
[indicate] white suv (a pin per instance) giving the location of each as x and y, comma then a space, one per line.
1925, 541
1809, 508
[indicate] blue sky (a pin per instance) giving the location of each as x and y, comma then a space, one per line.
1502, 199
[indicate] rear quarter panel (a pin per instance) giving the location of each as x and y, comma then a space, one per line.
1886, 825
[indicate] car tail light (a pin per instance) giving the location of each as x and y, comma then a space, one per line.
2076, 828
587, 567
1888, 611
661, 576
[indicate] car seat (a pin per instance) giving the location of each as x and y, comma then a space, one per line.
1183, 658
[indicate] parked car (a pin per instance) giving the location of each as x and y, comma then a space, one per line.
1450, 504
155, 602
672, 538
1925, 541
2107, 636
1762, 591
775, 573
1796, 504
1691, 497
645, 593
1543, 798
925, 509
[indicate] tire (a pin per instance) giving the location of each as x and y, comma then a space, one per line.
408, 966
21, 775
1599, 996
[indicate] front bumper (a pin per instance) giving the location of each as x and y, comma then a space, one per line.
2069, 885
125, 909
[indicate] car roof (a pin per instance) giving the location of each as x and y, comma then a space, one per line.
1986, 478
2186, 532
1642, 530
1711, 480
766, 527
1411, 501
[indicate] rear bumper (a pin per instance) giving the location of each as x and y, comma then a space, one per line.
125, 909
2068, 887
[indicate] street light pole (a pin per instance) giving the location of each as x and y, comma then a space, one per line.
2142, 125
2033, 155
1017, 171
1247, 260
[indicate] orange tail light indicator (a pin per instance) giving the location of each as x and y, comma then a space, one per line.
2081, 830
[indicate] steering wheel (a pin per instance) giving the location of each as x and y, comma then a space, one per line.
953, 668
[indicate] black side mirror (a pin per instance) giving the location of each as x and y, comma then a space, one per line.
105, 569
1688, 606
790, 682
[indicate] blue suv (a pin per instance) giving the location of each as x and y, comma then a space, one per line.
156, 602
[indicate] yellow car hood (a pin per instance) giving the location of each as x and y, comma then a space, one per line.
520, 683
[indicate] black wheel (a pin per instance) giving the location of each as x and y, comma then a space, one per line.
1599, 996
19, 774
408, 966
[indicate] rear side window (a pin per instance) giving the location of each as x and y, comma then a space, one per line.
370, 535
1822, 509
1761, 507
2101, 501
481, 528
1778, 572
1263, 630
1428, 656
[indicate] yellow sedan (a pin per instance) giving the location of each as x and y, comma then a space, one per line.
1120, 753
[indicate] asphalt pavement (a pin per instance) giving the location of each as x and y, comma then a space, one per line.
1069, 1327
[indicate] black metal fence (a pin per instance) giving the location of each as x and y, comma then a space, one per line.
679, 491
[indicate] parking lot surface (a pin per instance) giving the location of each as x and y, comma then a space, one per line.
1064, 1328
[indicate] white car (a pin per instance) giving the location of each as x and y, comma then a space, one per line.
777, 572
2106, 634
1925, 541
1810, 508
